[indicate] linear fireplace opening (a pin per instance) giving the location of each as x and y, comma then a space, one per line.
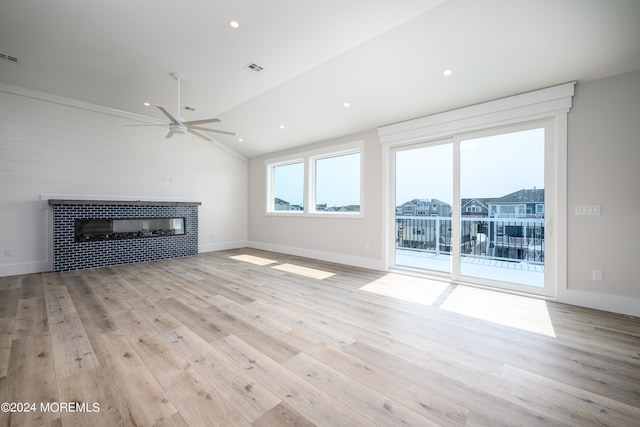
91, 230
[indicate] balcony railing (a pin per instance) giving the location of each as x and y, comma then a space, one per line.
506, 239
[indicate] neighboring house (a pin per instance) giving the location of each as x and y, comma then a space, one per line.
350, 208
431, 233
520, 204
322, 207
474, 207
505, 227
517, 237
424, 207
280, 205
472, 233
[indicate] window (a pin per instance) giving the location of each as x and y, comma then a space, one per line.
323, 182
337, 183
287, 187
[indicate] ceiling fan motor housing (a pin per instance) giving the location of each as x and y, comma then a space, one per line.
179, 128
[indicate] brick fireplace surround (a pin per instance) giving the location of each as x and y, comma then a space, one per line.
68, 254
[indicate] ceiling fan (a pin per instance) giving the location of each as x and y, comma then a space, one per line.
177, 125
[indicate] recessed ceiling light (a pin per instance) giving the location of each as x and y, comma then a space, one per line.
240, 140
346, 105
234, 24
281, 126
146, 104
447, 72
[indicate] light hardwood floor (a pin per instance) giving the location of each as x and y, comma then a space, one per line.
245, 337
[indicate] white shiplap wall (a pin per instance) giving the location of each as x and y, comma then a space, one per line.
52, 147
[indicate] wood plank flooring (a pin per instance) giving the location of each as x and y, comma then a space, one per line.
251, 338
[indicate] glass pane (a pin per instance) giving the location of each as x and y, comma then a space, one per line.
88, 230
423, 207
337, 183
502, 207
288, 187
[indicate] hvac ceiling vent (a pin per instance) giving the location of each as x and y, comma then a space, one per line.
253, 67
8, 57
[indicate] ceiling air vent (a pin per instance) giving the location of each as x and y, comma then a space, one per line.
253, 67
8, 57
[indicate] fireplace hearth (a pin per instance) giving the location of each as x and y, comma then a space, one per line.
97, 233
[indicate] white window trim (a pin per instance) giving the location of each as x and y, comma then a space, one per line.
309, 158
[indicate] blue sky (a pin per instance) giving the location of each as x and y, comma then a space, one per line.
491, 167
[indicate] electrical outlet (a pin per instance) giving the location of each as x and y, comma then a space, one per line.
597, 274
7, 252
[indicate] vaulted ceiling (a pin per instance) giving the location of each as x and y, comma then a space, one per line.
384, 57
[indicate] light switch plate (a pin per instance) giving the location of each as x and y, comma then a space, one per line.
593, 210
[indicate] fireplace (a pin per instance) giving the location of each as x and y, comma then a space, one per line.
91, 230
90, 233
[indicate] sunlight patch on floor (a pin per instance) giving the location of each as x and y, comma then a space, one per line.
253, 259
407, 288
304, 271
515, 311
524, 313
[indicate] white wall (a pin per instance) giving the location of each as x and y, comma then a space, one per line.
604, 169
353, 241
60, 148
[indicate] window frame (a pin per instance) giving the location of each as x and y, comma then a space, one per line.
308, 159
270, 181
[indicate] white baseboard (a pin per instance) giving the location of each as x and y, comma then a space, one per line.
614, 303
25, 268
374, 264
221, 246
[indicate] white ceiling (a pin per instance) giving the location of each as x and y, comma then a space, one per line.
384, 57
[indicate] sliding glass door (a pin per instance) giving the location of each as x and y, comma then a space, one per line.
472, 207
423, 200
502, 207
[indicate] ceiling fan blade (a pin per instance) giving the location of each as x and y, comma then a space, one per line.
211, 130
201, 122
170, 134
198, 134
168, 114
